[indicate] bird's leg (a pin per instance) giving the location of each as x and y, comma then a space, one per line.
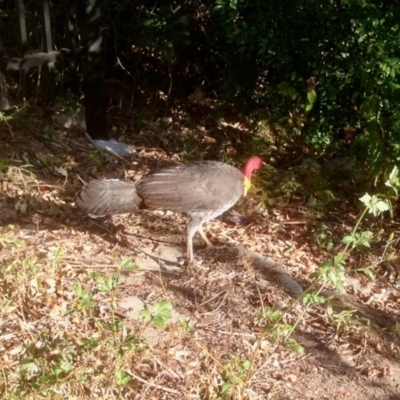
194, 225
191, 228
189, 249
205, 238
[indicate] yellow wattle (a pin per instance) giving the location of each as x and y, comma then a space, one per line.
247, 185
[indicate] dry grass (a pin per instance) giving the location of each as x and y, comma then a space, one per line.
70, 299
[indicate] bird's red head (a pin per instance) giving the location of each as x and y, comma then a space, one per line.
252, 164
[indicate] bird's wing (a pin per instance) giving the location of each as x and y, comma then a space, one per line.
193, 187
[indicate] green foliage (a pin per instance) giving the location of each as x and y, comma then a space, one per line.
127, 265
51, 160
374, 205
4, 117
311, 69
84, 299
95, 155
166, 30
276, 330
324, 237
50, 134
347, 321
307, 181
235, 372
14, 243
3, 165
318, 70
311, 98
332, 271
312, 298
106, 285
160, 315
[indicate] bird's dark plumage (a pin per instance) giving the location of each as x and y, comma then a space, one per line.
102, 197
203, 190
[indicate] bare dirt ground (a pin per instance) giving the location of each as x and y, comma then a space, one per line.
68, 332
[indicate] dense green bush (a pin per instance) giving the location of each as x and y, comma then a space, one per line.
325, 72
345, 53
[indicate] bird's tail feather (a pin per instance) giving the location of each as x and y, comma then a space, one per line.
108, 197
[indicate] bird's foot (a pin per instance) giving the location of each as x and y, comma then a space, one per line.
191, 265
194, 266
205, 239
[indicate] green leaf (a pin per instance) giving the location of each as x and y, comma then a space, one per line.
146, 314
312, 97
122, 378
163, 306
382, 206
295, 347
340, 259
127, 265
310, 298
366, 199
62, 171
246, 365
159, 320
348, 239
148, 22
77, 289
226, 387
161, 314
394, 173
368, 272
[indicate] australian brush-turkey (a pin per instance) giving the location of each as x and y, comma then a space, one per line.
203, 190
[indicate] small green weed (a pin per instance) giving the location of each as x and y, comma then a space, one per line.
234, 375
95, 156
160, 315
50, 134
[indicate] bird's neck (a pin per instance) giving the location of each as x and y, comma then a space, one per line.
246, 184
